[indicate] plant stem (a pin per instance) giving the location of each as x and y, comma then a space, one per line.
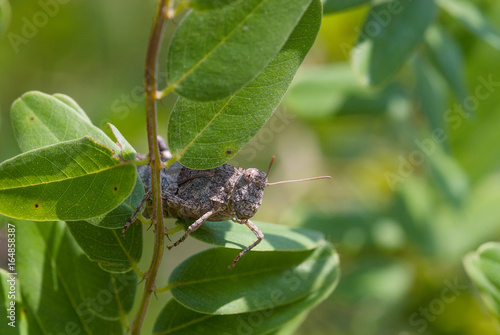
150, 85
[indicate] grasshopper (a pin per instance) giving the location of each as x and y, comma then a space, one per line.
222, 193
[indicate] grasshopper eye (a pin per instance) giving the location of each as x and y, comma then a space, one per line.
250, 175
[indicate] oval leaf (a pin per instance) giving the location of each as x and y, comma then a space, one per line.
431, 96
215, 53
446, 55
108, 247
39, 119
483, 267
206, 135
389, 35
449, 178
204, 283
473, 19
276, 237
72, 180
176, 319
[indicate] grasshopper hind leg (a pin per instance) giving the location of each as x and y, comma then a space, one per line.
257, 233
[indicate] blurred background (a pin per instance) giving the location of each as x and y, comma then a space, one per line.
415, 163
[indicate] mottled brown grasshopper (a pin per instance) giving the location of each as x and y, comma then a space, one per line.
218, 194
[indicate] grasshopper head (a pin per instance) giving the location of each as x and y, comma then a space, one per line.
247, 194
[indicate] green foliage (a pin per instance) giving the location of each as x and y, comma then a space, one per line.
72, 180
333, 90
291, 271
39, 120
63, 289
113, 252
420, 179
430, 90
447, 58
246, 34
416, 180
449, 178
221, 128
202, 282
474, 19
279, 287
231, 62
483, 267
399, 27
273, 318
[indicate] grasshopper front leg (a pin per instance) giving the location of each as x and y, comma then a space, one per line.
136, 213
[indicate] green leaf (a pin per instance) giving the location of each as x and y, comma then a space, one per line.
430, 93
446, 55
389, 35
73, 104
108, 247
62, 288
204, 283
127, 152
206, 135
204, 5
325, 91
473, 19
121, 214
332, 6
114, 291
176, 319
276, 237
72, 180
213, 54
449, 178
483, 267
39, 119
5, 13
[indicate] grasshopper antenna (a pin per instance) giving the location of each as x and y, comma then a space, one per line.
268, 170
288, 181
297, 180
